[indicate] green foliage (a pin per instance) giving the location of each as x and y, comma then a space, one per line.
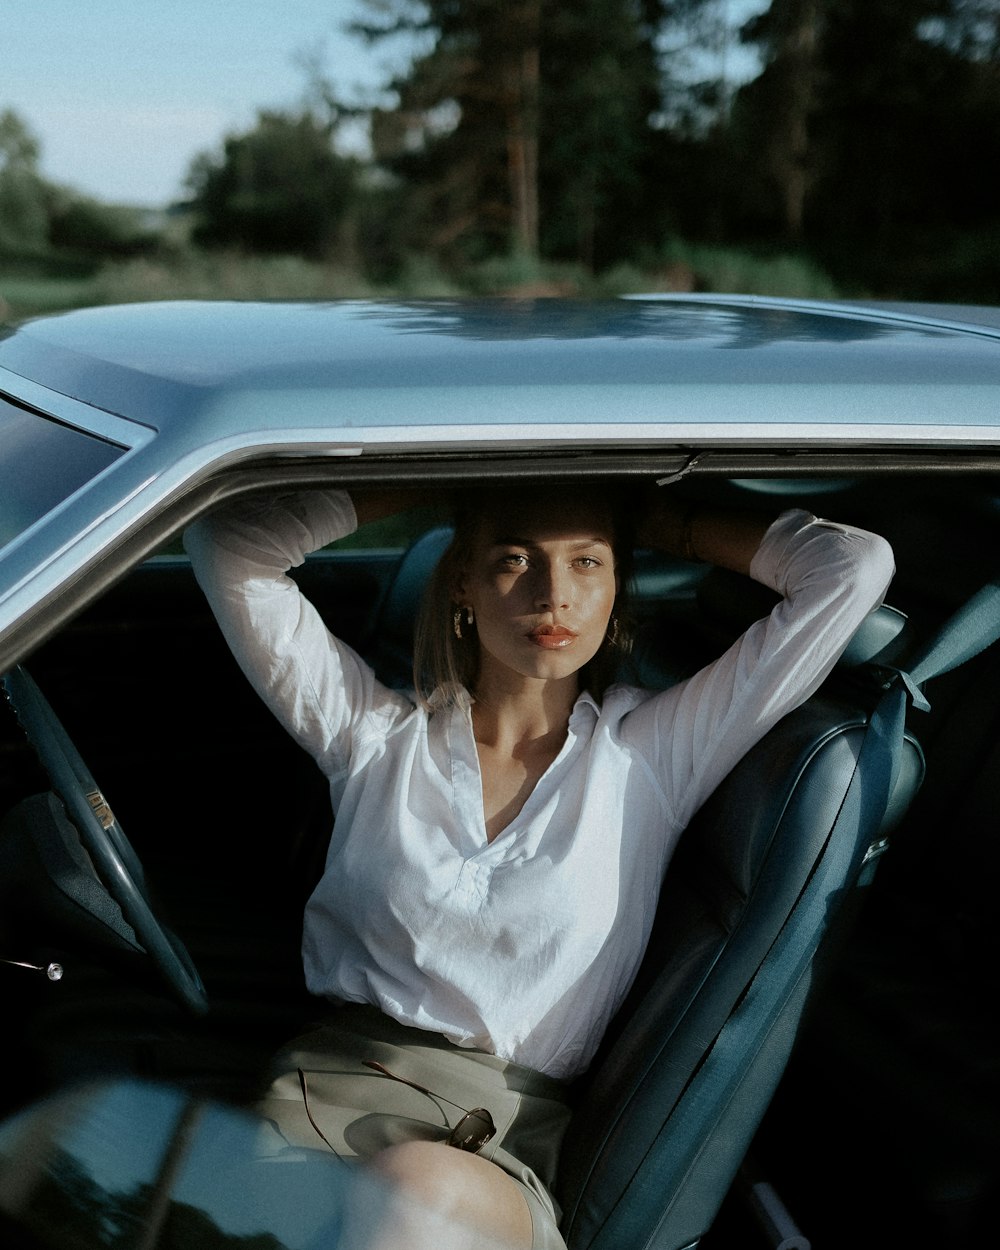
395, 533
280, 188
22, 296
227, 275
215, 275
87, 227
420, 276
600, 86
38, 218
523, 130
870, 133
740, 271
462, 142
19, 149
23, 193
527, 276
23, 211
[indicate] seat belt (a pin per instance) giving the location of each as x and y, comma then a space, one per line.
966, 633
970, 630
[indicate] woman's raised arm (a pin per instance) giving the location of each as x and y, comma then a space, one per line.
695, 532
375, 503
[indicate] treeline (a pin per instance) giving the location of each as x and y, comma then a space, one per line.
545, 137
38, 217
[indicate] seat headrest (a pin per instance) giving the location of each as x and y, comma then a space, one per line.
730, 603
390, 647
402, 601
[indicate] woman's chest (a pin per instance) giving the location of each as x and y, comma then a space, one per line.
431, 806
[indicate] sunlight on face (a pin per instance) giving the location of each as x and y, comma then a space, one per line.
541, 582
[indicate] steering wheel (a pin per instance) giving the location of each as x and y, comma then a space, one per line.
114, 860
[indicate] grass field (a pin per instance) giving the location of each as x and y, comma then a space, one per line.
27, 291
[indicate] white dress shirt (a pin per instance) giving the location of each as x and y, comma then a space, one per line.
524, 946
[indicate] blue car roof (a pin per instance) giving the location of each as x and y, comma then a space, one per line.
351, 364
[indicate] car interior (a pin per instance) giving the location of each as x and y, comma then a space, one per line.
805, 1052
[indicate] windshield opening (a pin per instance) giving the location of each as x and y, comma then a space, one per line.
42, 462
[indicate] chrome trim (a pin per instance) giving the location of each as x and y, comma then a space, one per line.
790, 437
877, 848
81, 416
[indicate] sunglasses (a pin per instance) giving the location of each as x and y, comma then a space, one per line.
471, 1133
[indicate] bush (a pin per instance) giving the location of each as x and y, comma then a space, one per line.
525, 276
192, 274
741, 272
225, 276
89, 228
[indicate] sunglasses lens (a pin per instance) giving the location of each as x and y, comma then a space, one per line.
473, 1130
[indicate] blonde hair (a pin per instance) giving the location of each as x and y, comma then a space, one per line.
446, 660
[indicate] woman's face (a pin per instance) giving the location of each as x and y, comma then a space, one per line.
541, 582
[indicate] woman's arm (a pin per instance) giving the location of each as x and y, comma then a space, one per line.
317, 687
376, 503
695, 532
829, 577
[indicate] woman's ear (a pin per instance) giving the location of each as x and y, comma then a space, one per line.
458, 590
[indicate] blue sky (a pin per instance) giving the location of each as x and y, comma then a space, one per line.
123, 93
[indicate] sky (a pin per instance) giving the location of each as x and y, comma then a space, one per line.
122, 94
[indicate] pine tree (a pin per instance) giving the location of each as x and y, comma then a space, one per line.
522, 127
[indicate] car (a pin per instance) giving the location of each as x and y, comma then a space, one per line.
807, 1055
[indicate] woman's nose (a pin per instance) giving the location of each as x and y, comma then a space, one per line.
552, 590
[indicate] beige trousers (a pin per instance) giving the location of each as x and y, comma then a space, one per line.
323, 1097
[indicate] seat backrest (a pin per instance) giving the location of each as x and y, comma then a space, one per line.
763, 878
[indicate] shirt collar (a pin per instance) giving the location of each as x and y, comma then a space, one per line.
585, 709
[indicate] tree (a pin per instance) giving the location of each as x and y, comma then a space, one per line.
789, 35
462, 140
871, 134
87, 227
910, 143
521, 128
279, 188
19, 149
600, 90
23, 193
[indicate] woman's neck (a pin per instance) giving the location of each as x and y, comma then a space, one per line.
525, 710
517, 738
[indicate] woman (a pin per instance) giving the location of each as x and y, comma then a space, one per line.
501, 836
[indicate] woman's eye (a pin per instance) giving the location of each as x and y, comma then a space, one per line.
588, 562
514, 560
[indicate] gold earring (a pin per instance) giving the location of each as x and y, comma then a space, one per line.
456, 620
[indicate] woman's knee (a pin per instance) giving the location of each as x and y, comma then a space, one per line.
426, 1170
459, 1187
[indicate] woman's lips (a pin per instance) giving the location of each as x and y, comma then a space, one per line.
551, 637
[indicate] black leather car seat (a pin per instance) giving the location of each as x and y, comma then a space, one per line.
766, 876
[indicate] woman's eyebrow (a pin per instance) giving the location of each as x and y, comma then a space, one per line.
513, 541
